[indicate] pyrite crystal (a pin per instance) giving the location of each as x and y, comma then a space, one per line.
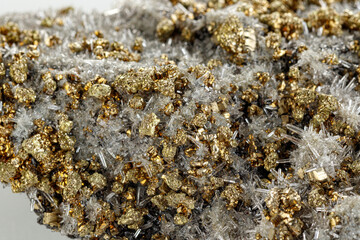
185, 119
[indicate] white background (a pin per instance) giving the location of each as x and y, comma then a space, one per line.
7, 6
17, 222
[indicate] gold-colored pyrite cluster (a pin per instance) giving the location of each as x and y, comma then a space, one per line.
185, 119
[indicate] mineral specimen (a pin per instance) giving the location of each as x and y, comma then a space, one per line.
185, 119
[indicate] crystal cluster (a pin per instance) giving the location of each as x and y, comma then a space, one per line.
185, 119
